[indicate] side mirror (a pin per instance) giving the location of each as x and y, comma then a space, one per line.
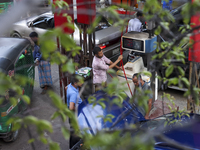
30, 24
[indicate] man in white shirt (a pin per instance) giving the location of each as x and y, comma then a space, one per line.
135, 24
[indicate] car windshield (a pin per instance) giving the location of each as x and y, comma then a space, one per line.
47, 22
154, 123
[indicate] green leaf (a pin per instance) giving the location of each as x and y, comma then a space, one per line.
13, 101
68, 67
186, 13
26, 99
183, 31
110, 115
91, 99
69, 25
10, 120
65, 133
63, 116
16, 126
100, 116
146, 73
169, 70
31, 140
102, 105
111, 71
173, 81
63, 58
185, 81
154, 56
187, 93
45, 125
175, 114
165, 63
107, 119
67, 42
55, 115
165, 123
43, 140
30, 120
48, 46
181, 28
165, 24
181, 71
158, 30
57, 101
54, 146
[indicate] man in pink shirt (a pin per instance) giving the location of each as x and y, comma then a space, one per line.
100, 65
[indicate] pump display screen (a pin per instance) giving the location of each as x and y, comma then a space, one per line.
133, 44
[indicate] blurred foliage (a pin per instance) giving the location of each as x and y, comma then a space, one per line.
167, 54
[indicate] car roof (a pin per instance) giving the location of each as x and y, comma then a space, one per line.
10, 48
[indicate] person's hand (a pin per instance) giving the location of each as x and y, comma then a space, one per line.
120, 68
146, 117
120, 57
37, 63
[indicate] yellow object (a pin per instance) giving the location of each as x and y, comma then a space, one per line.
3, 114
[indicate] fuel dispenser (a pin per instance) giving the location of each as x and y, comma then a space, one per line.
141, 46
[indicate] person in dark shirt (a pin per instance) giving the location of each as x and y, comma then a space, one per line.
44, 67
139, 83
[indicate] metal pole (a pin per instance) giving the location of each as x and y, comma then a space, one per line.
156, 86
85, 42
90, 50
81, 45
190, 103
59, 67
197, 76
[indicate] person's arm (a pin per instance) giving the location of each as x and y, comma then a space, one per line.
149, 108
34, 54
108, 61
116, 66
116, 62
40, 57
72, 106
106, 67
40, 54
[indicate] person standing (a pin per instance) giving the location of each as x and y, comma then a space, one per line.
72, 89
44, 67
73, 100
135, 24
100, 65
139, 83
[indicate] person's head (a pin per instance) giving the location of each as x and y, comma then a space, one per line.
98, 52
75, 81
34, 37
139, 14
136, 79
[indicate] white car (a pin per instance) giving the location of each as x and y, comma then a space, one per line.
106, 36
